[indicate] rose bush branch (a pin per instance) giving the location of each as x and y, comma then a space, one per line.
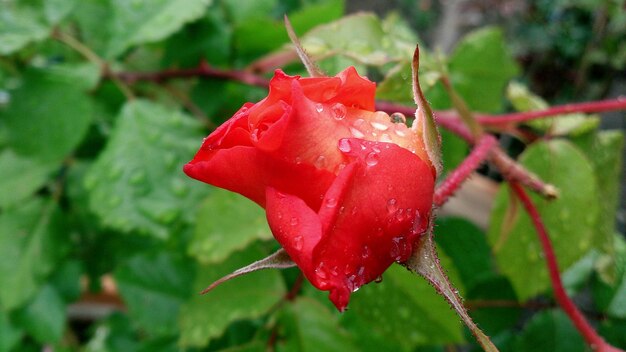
451, 184
595, 341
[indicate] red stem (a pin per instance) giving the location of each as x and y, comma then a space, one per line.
618, 103
454, 180
595, 341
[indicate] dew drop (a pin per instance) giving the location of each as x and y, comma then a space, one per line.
400, 131
298, 160
356, 133
360, 271
378, 279
385, 138
293, 221
400, 215
339, 111
319, 107
366, 252
320, 162
371, 159
379, 126
398, 117
321, 272
358, 123
344, 145
331, 202
334, 271
297, 242
392, 205
255, 135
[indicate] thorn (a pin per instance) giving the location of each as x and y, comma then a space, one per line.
309, 64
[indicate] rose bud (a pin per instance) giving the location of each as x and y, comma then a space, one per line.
347, 190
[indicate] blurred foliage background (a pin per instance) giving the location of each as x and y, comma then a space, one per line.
104, 242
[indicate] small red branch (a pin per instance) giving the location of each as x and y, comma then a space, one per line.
202, 70
454, 180
594, 340
586, 107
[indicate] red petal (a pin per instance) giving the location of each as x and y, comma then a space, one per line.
248, 171
382, 203
297, 228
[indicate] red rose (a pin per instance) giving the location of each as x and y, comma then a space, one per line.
347, 191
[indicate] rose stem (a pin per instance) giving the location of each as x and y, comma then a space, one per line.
479, 153
596, 342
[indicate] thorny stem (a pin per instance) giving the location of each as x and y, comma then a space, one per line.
594, 340
454, 180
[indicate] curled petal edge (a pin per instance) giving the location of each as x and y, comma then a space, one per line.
279, 260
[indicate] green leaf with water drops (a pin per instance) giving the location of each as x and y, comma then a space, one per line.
411, 313
159, 279
137, 183
141, 21
480, 67
19, 26
311, 326
250, 296
32, 242
227, 222
376, 44
611, 297
549, 330
570, 220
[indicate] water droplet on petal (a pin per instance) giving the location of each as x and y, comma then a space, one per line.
321, 271
358, 123
400, 130
294, 221
379, 126
385, 138
366, 252
400, 215
392, 205
356, 133
319, 107
360, 271
339, 111
378, 279
344, 145
371, 159
398, 117
297, 242
331, 202
320, 162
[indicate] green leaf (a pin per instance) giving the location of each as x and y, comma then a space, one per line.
44, 317
10, 335
18, 27
570, 219
142, 21
31, 244
67, 280
21, 177
154, 286
611, 298
493, 320
480, 68
57, 10
227, 222
467, 247
376, 43
411, 312
47, 116
550, 331
250, 296
310, 326
604, 150
114, 333
137, 182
